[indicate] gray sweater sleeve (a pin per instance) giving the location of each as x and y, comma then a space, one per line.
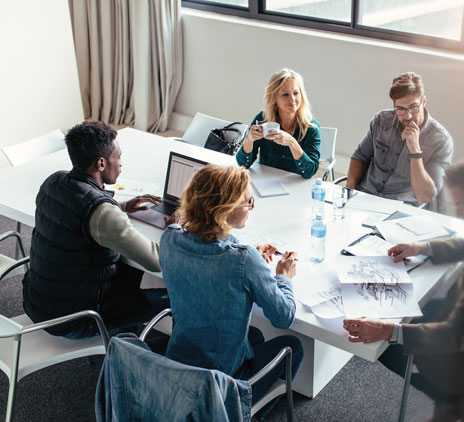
111, 228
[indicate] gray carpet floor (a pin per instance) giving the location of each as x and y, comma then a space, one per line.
362, 391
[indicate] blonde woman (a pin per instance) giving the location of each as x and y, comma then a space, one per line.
295, 146
213, 281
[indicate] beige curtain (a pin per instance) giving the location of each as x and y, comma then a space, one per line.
129, 58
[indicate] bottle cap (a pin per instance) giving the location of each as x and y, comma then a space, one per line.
318, 181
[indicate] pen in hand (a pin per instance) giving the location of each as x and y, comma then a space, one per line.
283, 254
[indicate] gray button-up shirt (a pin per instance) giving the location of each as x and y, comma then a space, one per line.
388, 174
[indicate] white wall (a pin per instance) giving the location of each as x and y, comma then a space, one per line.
39, 86
227, 62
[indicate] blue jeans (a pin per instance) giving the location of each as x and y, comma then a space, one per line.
264, 352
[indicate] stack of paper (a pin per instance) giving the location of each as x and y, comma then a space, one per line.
373, 245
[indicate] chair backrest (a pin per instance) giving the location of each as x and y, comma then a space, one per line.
199, 128
38, 147
328, 139
163, 389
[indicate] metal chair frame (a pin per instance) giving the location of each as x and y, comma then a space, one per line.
22, 330
285, 353
19, 250
407, 383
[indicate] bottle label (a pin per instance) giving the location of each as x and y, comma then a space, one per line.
318, 230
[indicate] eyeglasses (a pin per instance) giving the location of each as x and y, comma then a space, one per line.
250, 204
414, 109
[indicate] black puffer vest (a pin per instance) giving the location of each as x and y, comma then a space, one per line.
69, 271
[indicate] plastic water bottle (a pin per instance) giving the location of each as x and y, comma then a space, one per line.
318, 197
318, 235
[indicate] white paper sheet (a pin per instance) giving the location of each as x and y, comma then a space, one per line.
365, 202
376, 246
379, 300
253, 235
270, 187
319, 291
411, 229
371, 269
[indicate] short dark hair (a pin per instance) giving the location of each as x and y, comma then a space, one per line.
408, 83
454, 175
88, 141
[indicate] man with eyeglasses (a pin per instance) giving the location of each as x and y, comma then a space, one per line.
405, 152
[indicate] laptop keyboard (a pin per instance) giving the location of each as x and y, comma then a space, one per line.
165, 208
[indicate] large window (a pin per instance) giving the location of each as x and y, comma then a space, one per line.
434, 23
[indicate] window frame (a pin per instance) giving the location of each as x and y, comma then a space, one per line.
257, 10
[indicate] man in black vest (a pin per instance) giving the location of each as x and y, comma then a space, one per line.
80, 232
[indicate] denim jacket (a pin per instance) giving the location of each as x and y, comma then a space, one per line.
212, 287
136, 384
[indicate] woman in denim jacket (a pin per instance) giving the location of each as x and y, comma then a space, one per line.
213, 281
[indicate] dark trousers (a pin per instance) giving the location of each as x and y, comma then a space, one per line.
395, 359
125, 305
264, 352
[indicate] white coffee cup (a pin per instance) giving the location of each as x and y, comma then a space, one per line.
268, 126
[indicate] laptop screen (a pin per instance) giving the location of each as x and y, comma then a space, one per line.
180, 170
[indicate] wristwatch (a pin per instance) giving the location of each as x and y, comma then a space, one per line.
416, 155
394, 338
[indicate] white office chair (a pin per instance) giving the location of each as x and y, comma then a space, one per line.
35, 148
327, 150
22, 356
278, 388
9, 265
199, 128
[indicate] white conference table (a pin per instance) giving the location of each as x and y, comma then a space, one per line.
325, 342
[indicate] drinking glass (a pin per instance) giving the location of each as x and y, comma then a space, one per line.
340, 195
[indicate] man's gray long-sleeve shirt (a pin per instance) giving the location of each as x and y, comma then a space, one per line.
388, 173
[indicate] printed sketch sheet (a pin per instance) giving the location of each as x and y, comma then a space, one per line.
376, 287
371, 269
380, 300
319, 291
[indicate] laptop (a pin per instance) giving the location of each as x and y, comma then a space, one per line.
181, 168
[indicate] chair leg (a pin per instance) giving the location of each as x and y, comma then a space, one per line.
13, 379
332, 174
288, 382
19, 246
407, 382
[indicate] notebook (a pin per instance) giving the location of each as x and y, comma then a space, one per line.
180, 170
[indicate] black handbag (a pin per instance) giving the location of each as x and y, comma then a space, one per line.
226, 140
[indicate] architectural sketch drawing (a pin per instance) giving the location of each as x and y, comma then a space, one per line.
385, 294
332, 308
372, 269
322, 293
368, 272
380, 300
